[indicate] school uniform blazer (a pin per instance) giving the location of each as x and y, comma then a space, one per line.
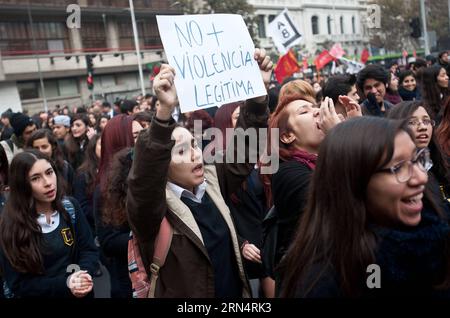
85, 255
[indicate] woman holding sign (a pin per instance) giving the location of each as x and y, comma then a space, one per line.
168, 179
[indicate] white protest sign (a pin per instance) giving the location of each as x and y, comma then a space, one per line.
213, 59
283, 31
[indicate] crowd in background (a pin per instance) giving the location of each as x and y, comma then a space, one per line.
347, 175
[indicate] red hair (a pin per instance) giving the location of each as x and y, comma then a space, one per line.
290, 92
223, 119
202, 115
443, 131
118, 134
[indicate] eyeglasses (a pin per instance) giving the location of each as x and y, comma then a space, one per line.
403, 170
426, 122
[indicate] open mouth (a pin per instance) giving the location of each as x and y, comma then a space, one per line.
423, 137
50, 193
198, 169
414, 203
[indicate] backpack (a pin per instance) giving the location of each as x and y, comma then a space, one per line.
142, 286
270, 236
7, 293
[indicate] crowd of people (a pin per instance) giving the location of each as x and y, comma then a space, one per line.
363, 179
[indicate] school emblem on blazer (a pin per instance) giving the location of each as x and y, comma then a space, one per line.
67, 236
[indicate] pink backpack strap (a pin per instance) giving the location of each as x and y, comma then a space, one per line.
162, 246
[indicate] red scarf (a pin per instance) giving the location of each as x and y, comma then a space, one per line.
306, 158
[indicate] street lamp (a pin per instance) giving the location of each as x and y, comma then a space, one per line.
424, 26
136, 44
41, 78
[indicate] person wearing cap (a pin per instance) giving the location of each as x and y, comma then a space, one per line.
61, 128
23, 127
6, 131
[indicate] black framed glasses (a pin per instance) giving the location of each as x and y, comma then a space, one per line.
404, 169
425, 122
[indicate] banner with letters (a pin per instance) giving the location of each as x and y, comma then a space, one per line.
284, 32
213, 59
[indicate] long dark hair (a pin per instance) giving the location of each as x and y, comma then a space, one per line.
405, 110
20, 233
73, 145
334, 230
3, 170
90, 165
443, 131
114, 209
57, 154
431, 91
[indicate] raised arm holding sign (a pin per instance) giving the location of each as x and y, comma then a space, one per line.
167, 94
213, 57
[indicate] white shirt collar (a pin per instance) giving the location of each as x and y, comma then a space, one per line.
176, 114
182, 192
48, 227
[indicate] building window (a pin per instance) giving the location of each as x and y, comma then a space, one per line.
68, 87
341, 20
53, 88
353, 25
28, 90
261, 27
147, 31
16, 37
271, 17
315, 25
93, 35
329, 24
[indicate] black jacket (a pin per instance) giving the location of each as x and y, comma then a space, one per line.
114, 246
411, 262
290, 188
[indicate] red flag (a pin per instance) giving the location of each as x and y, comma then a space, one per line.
305, 63
323, 59
155, 71
286, 66
365, 56
337, 51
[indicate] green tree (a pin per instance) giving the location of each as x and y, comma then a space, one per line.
394, 34
437, 17
395, 17
241, 7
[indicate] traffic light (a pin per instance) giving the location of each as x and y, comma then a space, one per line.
90, 71
416, 31
89, 64
90, 81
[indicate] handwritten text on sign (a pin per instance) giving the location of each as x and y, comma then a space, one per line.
213, 59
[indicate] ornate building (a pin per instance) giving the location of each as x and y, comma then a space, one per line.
321, 22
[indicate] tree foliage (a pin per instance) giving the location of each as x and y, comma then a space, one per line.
241, 7
395, 17
394, 34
